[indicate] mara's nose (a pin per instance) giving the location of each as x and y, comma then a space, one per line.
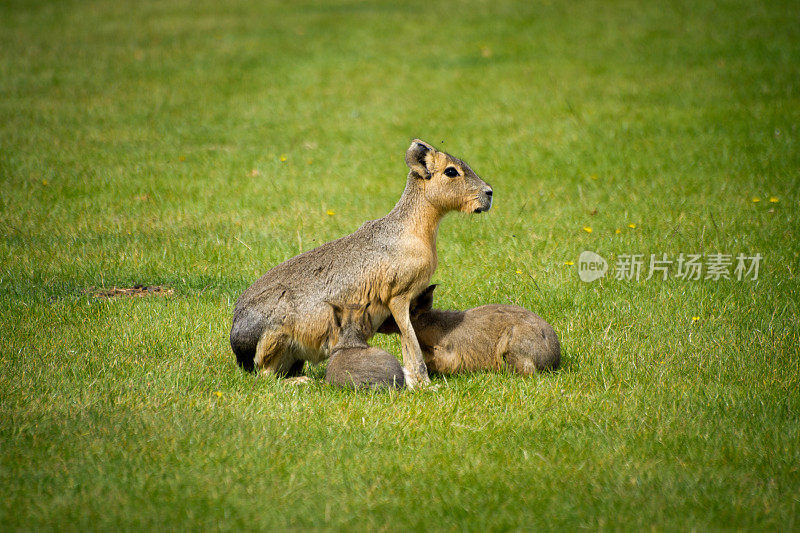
488, 192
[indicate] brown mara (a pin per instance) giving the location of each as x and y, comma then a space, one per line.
482, 338
283, 319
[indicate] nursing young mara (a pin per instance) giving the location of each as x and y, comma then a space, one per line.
283, 319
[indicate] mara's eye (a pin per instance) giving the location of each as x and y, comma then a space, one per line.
451, 172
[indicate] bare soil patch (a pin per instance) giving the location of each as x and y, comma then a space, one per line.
137, 291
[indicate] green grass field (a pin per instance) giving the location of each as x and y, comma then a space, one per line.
195, 145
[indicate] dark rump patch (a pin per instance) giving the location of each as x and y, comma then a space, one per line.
245, 333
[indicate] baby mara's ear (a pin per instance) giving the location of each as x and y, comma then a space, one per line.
420, 158
337, 313
423, 302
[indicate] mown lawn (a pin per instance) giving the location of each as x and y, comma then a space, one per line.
194, 145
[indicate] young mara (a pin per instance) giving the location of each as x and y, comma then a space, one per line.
353, 362
481, 338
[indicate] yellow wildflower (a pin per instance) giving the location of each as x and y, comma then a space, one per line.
587, 229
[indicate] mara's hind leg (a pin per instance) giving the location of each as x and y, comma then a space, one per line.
528, 351
272, 355
519, 362
508, 351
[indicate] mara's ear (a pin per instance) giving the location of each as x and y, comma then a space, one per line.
420, 157
363, 312
366, 318
337, 313
424, 302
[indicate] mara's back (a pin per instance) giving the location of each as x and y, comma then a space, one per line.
484, 337
364, 367
332, 271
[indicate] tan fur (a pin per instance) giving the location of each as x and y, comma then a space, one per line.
355, 364
482, 338
283, 320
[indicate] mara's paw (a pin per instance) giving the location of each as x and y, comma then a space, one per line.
416, 381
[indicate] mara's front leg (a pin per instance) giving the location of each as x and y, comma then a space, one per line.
416, 371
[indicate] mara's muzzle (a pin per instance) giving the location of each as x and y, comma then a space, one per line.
485, 199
